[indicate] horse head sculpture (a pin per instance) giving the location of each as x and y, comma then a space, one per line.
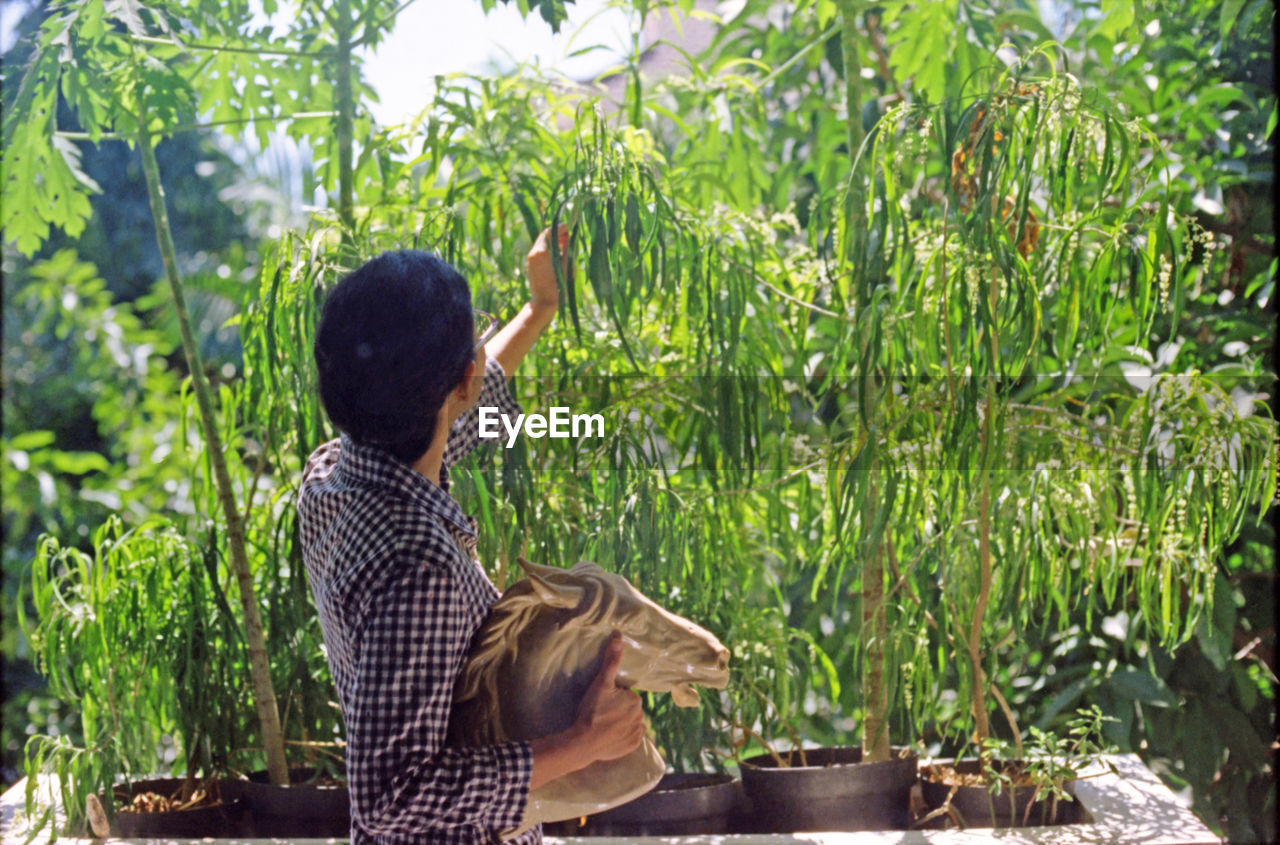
540, 648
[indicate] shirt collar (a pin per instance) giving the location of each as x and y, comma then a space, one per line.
373, 466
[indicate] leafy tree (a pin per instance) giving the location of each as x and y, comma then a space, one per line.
92, 427
924, 353
121, 80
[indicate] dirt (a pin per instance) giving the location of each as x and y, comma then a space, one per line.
328, 780
947, 775
154, 802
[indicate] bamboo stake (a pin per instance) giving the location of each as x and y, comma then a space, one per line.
263, 692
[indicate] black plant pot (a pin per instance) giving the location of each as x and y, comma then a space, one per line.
301, 809
681, 804
833, 791
223, 819
978, 807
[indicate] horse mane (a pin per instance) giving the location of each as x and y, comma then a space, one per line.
496, 642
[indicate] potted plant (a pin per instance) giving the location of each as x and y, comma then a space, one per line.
204, 651
164, 807
112, 633
682, 804
1034, 459
315, 802
1038, 789
865, 787
802, 788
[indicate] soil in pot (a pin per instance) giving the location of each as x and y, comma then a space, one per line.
976, 806
154, 807
310, 806
831, 789
681, 804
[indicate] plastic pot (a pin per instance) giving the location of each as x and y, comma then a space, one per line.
301, 810
834, 791
978, 807
222, 819
681, 804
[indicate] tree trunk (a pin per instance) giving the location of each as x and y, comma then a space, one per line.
346, 119
853, 107
982, 727
875, 693
263, 692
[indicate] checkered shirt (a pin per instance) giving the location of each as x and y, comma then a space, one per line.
391, 560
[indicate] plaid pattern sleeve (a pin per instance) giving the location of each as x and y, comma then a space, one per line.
389, 558
465, 434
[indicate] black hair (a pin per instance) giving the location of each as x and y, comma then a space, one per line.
395, 337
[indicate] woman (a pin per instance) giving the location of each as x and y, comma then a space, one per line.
391, 555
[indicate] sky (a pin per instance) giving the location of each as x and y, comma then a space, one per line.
445, 36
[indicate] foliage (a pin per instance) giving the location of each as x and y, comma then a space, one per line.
118, 235
1199, 714
87, 52
99, 637
1012, 376
92, 427
1046, 333
1052, 762
491, 175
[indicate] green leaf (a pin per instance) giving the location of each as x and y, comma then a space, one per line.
1065, 698
78, 463
1117, 16
1201, 746
1224, 609
1227, 18
127, 12
826, 11
1247, 747
1141, 685
29, 440
1215, 647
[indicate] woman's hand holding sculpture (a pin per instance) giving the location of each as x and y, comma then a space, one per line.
610, 720
609, 725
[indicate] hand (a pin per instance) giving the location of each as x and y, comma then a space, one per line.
543, 293
610, 723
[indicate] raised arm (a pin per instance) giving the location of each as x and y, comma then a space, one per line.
516, 338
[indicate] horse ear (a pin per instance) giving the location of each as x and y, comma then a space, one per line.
549, 588
586, 567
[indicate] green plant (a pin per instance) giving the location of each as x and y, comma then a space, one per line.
1003, 485
102, 636
791, 430
763, 701
1049, 765
204, 647
1052, 761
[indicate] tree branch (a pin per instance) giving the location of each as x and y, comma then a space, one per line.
222, 48
191, 127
